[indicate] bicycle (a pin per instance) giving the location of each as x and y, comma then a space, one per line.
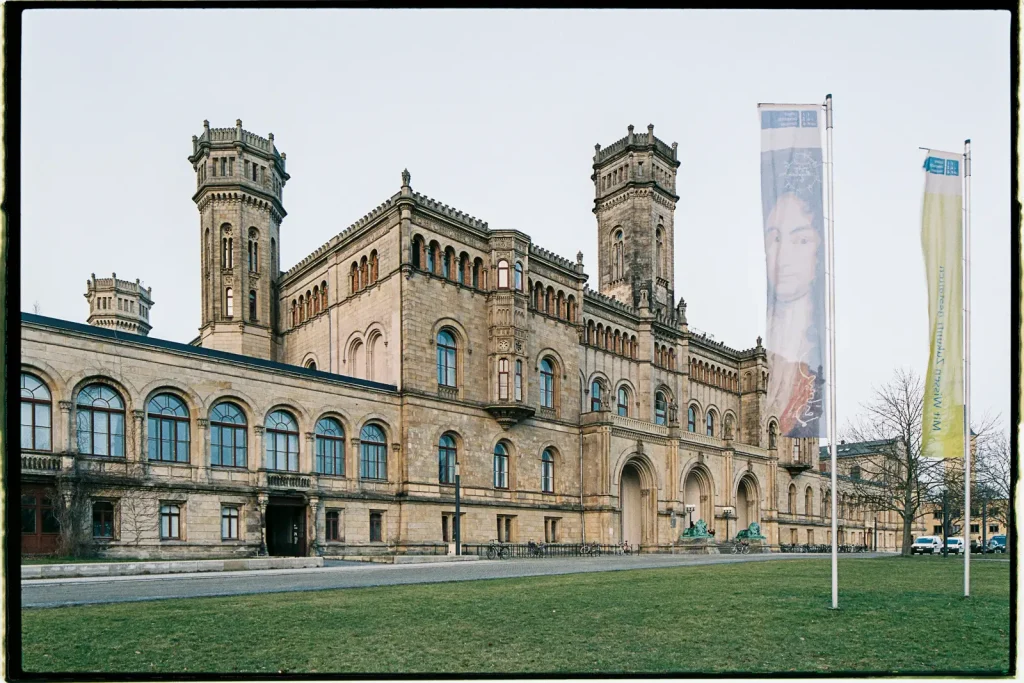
590, 549
496, 549
741, 548
535, 549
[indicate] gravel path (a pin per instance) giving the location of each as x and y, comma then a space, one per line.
83, 591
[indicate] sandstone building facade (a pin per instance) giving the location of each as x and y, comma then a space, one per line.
323, 409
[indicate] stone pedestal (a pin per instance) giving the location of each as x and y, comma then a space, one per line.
698, 545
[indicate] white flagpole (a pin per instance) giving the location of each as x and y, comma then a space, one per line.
967, 368
832, 356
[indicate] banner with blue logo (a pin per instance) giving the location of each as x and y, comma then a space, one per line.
942, 435
792, 177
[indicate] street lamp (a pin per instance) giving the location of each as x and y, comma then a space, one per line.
458, 522
728, 513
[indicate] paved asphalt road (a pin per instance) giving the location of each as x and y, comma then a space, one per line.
82, 591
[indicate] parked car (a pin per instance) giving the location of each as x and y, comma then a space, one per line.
955, 546
926, 544
997, 544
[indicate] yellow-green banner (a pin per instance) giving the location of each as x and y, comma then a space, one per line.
942, 435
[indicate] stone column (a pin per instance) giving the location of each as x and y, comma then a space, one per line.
260, 455
138, 418
311, 454
202, 459
314, 527
352, 464
71, 445
261, 503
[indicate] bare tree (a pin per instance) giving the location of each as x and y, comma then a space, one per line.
136, 515
950, 474
73, 511
894, 475
994, 474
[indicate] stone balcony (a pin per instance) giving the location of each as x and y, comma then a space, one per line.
45, 463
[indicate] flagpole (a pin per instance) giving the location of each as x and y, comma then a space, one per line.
967, 368
832, 356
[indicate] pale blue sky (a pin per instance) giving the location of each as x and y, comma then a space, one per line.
496, 113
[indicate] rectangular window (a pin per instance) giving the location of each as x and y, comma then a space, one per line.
229, 523
223, 165
246, 168
505, 528
231, 166
214, 167
503, 379
993, 528
333, 525
519, 380
551, 525
937, 529
975, 528
375, 527
102, 519
937, 514
170, 522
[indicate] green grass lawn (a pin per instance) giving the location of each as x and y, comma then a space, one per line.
904, 615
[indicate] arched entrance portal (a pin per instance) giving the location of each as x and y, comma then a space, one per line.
632, 504
697, 491
747, 508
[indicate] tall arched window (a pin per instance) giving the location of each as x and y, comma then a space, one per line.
519, 381
330, 447
660, 408
595, 396
502, 274
691, 419
431, 259
446, 266
100, 421
374, 266
254, 250
618, 268
36, 413
364, 273
446, 455
772, 436
547, 471
229, 304
227, 436
519, 276
547, 384
323, 295
660, 251
808, 502
792, 499
500, 467
373, 457
446, 359
623, 403
503, 379
538, 295
417, 252
252, 305
282, 442
463, 267
167, 428
478, 266
710, 421
354, 278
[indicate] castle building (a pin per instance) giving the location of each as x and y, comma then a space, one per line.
322, 409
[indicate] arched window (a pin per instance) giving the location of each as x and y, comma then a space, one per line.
710, 423
252, 305
519, 381
728, 426
503, 379
309, 304
273, 257
571, 306
330, 447
478, 266
660, 408
691, 419
373, 460
519, 276
618, 269
167, 428
502, 274
227, 436
547, 384
446, 358
311, 364
464, 268
547, 471
374, 266
254, 250
446, 266
772, 436
354, 278
500, 467
808, 502
282, 442
323, 295
100, 421
595, 396
364, 273
36, 413
431, 259
229, 304
446, 455
417, 252
623, 404
792, 499
660, 251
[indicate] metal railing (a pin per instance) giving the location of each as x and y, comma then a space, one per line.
821, 548
525, 550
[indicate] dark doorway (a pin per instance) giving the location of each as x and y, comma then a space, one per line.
39, 528
286, 529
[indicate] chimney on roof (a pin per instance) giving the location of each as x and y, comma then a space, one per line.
842, 442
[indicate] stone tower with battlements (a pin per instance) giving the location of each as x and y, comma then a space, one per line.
635, 200
240, 179
119, 305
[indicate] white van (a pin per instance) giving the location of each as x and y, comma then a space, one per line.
927, 544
